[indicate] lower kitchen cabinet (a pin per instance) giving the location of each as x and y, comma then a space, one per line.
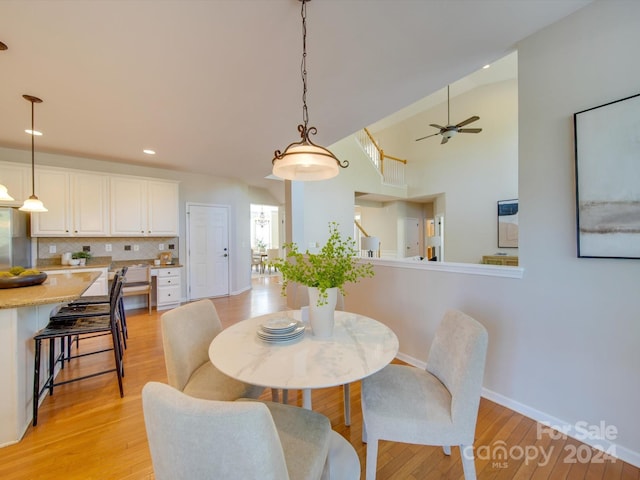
169, 287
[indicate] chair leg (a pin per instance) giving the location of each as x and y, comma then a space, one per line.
115, 335
372, 459
468, 463
52, 363
347, 404
36, 382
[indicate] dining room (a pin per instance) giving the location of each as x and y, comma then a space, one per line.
87, 431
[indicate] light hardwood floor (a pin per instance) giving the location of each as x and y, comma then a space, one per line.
86, 431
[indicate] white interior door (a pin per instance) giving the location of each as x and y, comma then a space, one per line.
208, 250
411, 237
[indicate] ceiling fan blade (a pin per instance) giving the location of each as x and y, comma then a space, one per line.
432, 135
470, 130
468, 121
436, 126
444, 140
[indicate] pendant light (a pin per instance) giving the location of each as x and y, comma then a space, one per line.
4, 194
32, 204
304, 160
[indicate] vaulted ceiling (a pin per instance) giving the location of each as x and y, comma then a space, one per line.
213, 86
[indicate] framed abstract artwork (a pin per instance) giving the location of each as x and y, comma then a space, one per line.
607, 156
508, 223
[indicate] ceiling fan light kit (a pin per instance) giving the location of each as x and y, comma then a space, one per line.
450, 130
304, 160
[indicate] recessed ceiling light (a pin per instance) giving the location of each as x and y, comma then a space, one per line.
486, 66
34, 132
149, 152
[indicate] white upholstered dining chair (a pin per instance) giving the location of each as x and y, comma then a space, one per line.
436, 406
196, 439
187, 332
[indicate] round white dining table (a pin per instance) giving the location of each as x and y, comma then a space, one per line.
359, 347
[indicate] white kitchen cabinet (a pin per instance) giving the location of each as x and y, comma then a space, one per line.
90, 201
128, 206
163, 201
168, 287
77, 204
52, 187
17, 178
141, 207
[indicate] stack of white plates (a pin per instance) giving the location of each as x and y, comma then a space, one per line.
280, 330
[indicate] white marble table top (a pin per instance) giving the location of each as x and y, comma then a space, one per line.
359, 347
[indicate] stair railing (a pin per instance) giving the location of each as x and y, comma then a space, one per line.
392, 172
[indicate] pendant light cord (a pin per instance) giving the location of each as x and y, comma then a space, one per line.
303, 66
33, 162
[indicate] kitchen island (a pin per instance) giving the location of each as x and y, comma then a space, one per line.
24, 311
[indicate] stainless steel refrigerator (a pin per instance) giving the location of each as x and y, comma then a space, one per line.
15, 244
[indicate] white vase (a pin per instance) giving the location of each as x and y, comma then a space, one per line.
321, 317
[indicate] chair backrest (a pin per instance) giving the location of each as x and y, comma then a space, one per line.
191, 438
273, 254
457, 357
138, 274
187, 332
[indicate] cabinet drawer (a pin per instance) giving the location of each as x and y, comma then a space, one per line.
168, 281
168, 272
168, 294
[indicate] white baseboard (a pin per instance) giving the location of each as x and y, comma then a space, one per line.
576, 431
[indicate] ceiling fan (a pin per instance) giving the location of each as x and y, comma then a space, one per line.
450, 130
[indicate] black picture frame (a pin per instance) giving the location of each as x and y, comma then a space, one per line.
607, 176
508, 223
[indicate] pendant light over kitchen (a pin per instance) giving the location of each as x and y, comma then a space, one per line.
304, 160
33, 204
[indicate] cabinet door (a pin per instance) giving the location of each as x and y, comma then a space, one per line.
163, 209
89, 197
17, 179
128, 206
52, 187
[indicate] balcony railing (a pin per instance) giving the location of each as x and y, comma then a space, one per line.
392, 170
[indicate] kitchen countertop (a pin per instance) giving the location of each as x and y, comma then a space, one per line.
57, 288
102, 262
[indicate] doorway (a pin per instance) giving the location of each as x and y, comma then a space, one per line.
207, 251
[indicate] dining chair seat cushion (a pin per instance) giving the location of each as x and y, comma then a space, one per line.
305, 436
196, 439
209, 383
187, 332
405, 418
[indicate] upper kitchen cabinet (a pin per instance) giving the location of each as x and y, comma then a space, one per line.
17, 179
77, 204
143, 207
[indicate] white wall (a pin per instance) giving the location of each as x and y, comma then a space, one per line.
564, 339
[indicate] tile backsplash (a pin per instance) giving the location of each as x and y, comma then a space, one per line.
135, 248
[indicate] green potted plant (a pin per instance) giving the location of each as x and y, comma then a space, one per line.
324, 273
335, 265
82, 256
